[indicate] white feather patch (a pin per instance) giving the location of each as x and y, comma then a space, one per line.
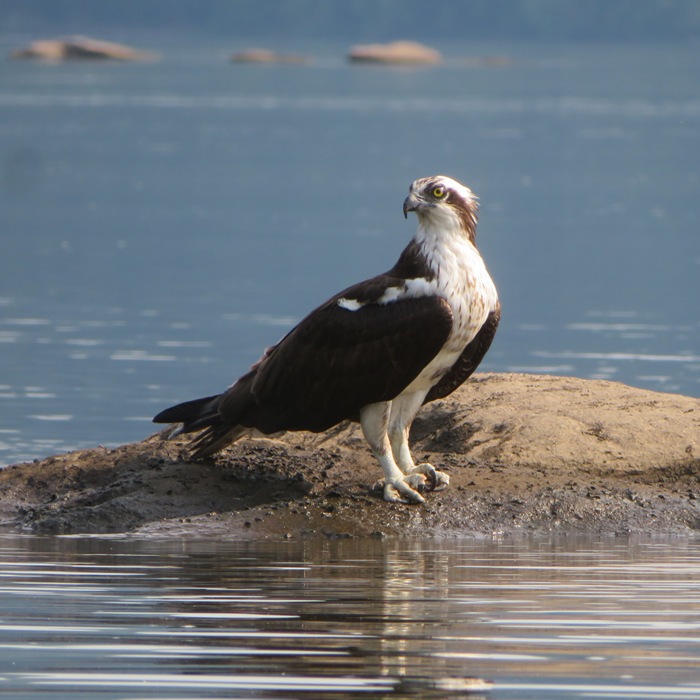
420, 287
350, 304
410, 289
391, 294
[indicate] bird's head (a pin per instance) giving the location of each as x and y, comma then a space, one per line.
440, 201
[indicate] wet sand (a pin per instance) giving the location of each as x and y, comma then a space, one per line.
525, 453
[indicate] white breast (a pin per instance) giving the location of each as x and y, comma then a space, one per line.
462, 280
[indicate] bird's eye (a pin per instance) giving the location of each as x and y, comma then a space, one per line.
439, 192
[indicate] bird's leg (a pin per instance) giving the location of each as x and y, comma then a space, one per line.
422, 477
374, 419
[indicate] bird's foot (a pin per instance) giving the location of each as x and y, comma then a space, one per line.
420, 479
433, 479
405, 489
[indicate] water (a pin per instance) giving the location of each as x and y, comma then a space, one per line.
127, 618
162, 223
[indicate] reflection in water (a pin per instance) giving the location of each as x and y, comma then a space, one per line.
129, 618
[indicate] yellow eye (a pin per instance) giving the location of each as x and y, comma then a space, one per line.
439, 192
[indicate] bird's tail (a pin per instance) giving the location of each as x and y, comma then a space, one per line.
216, 416
216, 438
193, 415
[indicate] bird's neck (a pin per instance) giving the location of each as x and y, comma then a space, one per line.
446, 247
436, 248
445, 224
445, 230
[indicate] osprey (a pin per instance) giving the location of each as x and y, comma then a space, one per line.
373, 353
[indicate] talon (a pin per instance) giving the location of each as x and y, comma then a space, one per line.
443, 481
418, 482
378, 486
401, 492
435, 480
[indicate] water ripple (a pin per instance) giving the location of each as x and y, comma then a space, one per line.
342, 619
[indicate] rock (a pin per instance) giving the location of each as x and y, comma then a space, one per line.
525, 453
80, 48
267, 56
397, 52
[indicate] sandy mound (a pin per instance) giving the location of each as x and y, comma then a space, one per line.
525, 453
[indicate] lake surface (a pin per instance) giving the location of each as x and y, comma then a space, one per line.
558, 618
160, 224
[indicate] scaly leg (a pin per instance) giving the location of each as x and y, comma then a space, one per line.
374, 419
423, 477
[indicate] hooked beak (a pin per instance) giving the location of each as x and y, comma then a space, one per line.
411, 203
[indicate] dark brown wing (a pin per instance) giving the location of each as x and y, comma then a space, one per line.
336, 361
469, 359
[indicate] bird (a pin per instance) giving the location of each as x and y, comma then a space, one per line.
373, 353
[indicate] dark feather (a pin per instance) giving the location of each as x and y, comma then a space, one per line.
194, 415
326, 368
337, 361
